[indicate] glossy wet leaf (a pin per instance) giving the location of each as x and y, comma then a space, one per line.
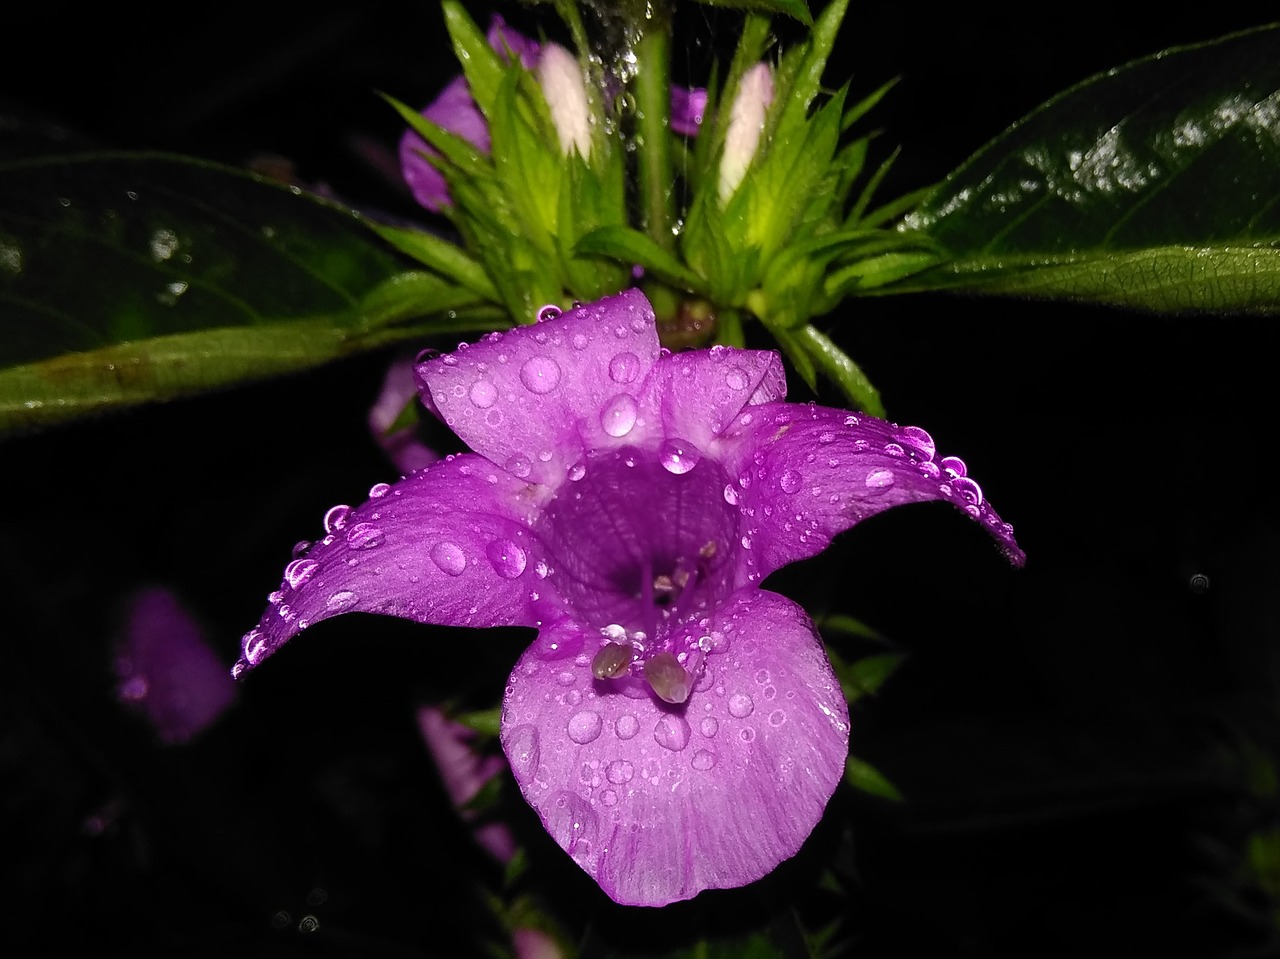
1154, 186
129, 278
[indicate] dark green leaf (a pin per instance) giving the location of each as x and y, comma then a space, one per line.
440, 255
866, 778
127, 278
631, 246
845, 373
1154, 186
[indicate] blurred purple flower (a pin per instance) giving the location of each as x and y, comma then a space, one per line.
405, 446
166, 670
675, 726
455, 110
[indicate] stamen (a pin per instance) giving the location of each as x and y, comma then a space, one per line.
667, 677
611, 661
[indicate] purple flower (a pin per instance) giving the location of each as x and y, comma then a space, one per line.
167, 672
455, 110
675, 726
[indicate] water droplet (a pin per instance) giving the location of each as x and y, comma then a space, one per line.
519, 465
741, 705
893, 449
299, 571
730, 495
703, 759
364, 536
619, 772
584, 727
524, 752
336, 518
627, 726
254, 645
576, 472
449, 558
736, 379
671, 732
608, 798
919, 440
483, 394
619, 415
747, 734
827, 437
624, 367
762, 676
954, 466
790, 481
507, 558
545, 456
549, 312
678, 456
579, 341
341, 600
970, 490
879, 479
746, 541
709, 726
540, 374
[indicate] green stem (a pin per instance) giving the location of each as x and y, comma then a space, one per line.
653, 109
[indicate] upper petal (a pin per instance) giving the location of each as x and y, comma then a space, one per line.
806, 473
687, 108
455, 111
658, 803
535, 399
450, 545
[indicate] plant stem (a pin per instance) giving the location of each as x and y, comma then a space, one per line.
653, 136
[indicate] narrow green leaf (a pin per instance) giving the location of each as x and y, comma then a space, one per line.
845, 373
441, 256
1154, 186
480, 62
866, 778
631, 246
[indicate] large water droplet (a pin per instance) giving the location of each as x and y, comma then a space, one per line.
254, 645
735, 379
449, 557
678, 456
741, 705
584, 727
790, 481
671, 732
627, 726
879, 479
970, 490
576, 472
709, 726
619, 415
507, 558
703, 759
730, 495
524, 752
624, 367
540, 374
519, 465
483, 394
619, 772
341, 600
299, 571
364, 536
954, 466
336, 518
549, 312
777, 718
919, 440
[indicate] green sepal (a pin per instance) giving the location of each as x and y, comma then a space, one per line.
864, 777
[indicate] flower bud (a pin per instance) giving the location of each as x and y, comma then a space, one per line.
566, 94
746, 123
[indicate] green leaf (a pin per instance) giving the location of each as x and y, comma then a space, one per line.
1154, 186
441, 256
129, 278
845, 373
480, 62
791, 8
866, 778
631, 246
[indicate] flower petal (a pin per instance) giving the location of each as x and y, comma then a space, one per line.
698, 393
806, 473
535, 399
658, 803
455, 111
687, 107
449, 545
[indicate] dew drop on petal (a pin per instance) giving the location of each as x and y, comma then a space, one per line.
741, 705
970, 490
627, 726
540, 374
483, 394
735, 379
709, 726
678, 456
549, 312
790, 481
299, 571
619, 415
579, 341
519, 465
671, 732
777, 717
954, 466
584, 727
576, 472
730, 495
364, 536
919, 440
619, 772
254, 645
524, 752
507, 558
342, 599
336, 518
624, 367
608, 798
879, 479
703, 759
449, 557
